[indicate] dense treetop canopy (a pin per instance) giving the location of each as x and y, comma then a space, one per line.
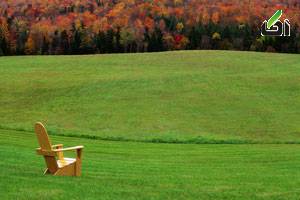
53, 26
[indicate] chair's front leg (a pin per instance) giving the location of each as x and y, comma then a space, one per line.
78, 162
60, 154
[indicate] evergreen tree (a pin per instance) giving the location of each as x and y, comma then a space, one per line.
64, 42
86, 46
118, 48
155, 42
55, 47
109, 41
45, 46
100, 42
194, 38
75, 42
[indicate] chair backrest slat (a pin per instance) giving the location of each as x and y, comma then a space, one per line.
42, 136
45, 144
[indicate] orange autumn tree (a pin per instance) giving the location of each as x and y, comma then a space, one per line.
30, 46
67, 26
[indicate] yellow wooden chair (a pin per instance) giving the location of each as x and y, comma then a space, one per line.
56, 163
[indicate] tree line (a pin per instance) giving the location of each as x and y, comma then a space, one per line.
104, 26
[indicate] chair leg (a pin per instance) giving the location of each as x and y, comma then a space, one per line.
46, 171
78, 162
78, 168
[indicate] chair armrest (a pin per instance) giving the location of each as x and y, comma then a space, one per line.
39, 151
57, 146
68, 149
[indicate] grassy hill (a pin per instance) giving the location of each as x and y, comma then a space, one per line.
190, 97
133, 170
179, 97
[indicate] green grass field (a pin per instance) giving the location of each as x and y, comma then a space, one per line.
176, 96
134, 170
236, 115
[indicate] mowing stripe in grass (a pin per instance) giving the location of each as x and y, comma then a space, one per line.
198, 140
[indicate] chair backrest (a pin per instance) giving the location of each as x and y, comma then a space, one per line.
42, 136
45, 144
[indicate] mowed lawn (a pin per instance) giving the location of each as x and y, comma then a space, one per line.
135, 170
124, 108
188, 97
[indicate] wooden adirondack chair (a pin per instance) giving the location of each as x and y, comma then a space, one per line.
56, 163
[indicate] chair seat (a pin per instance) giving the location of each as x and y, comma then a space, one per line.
66, 161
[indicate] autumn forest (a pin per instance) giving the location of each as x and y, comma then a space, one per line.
39, 27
